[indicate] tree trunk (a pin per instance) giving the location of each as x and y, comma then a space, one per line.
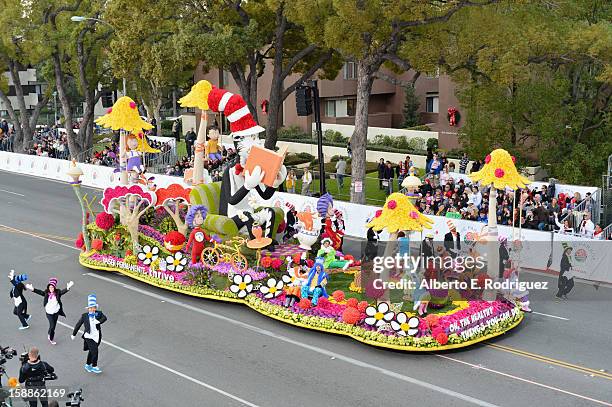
360, 135
24, 117
18, 144
73, 145
174, 110
174, 214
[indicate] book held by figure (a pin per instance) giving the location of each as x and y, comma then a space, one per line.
269, 161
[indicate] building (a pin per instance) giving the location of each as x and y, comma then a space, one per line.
32, 90
338, 99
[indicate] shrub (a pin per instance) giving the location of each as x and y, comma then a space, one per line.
166, 125
338, 295
417, 143
422, 127
401, 142
105, 221
351, 315
293, 132
432, 143
334, 136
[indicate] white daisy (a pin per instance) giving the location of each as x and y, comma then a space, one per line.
242, 285
148, 254
379, 315
404, 326
177, 262
272, 289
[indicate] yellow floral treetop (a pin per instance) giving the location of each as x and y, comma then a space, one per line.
197, 96
399, 214
143, 144
499, 170
124, 115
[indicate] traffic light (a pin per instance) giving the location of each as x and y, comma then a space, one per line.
303, 101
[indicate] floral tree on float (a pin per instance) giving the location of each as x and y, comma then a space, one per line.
198, 97
173, 199
397, 215
498, 172
124, 116
133, 202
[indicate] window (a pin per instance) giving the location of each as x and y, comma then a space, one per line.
330, 108
350, 70
107, 99
431, 103
351, 105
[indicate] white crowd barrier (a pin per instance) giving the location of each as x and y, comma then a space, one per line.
593, 263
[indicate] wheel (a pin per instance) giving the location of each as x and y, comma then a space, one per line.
209, 257
239, 263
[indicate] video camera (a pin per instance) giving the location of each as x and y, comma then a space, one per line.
6, 354
24, 358
75, 398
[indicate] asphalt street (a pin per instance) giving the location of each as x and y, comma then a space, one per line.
165, 349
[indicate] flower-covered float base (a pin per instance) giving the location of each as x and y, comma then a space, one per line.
465, 324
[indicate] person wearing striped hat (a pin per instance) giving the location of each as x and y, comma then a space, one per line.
21, 305
290, 229
91, 321
52, 301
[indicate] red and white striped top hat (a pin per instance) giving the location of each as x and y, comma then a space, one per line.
236, 111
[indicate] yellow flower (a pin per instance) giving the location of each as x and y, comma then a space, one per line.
197, 96
124, 115
399, 214
499, 170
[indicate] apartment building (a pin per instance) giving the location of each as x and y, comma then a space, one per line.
32, 89
338, 99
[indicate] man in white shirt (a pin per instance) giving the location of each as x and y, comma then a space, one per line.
306, 181
587, 227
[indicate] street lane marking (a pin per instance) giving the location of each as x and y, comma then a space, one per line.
552, 361
325, 352
551, 316
11, 192
175, 372
486, 369
54, 237
330, 353
37, 236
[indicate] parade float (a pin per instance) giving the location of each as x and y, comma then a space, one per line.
233, 241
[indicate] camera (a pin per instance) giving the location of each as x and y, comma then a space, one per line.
6, 354
23, 357
75, 398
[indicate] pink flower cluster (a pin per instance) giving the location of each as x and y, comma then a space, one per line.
226, 268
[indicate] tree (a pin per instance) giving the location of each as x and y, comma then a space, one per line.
18, 50
370, 33
411, 107
543, 96
76, 54
173, 199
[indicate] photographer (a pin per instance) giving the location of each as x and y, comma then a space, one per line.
33, 373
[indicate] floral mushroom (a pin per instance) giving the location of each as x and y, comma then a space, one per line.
242, 285
177, 262
272, 289
148, 254
379, 315
403, 326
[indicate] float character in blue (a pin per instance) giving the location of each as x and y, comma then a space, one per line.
315, 284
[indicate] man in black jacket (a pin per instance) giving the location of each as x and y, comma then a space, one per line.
33, 373
92, 335
16, 294
452, 240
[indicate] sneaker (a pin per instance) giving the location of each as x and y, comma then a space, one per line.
21, 328
88, 368
52, 342
96, 370
526, 309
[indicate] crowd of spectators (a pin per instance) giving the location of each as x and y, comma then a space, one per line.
215, 168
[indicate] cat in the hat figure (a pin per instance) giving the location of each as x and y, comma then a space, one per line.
238, 184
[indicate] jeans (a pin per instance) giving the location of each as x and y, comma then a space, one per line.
340, 181
306, 188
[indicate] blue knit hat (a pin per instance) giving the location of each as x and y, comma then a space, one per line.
323, 204
21, 277
92, 301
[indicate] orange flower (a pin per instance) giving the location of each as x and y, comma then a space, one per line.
266, 261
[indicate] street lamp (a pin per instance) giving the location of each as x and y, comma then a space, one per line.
75, 172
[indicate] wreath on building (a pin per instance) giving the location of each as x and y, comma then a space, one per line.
453, 116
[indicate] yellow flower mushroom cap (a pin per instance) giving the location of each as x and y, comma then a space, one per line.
124, 115
399, 214
499, 170
197, 96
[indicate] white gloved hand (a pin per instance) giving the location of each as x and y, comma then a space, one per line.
29, 287
11, 274
280, 177
251, 180
72, 337
69, 285
242, 216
